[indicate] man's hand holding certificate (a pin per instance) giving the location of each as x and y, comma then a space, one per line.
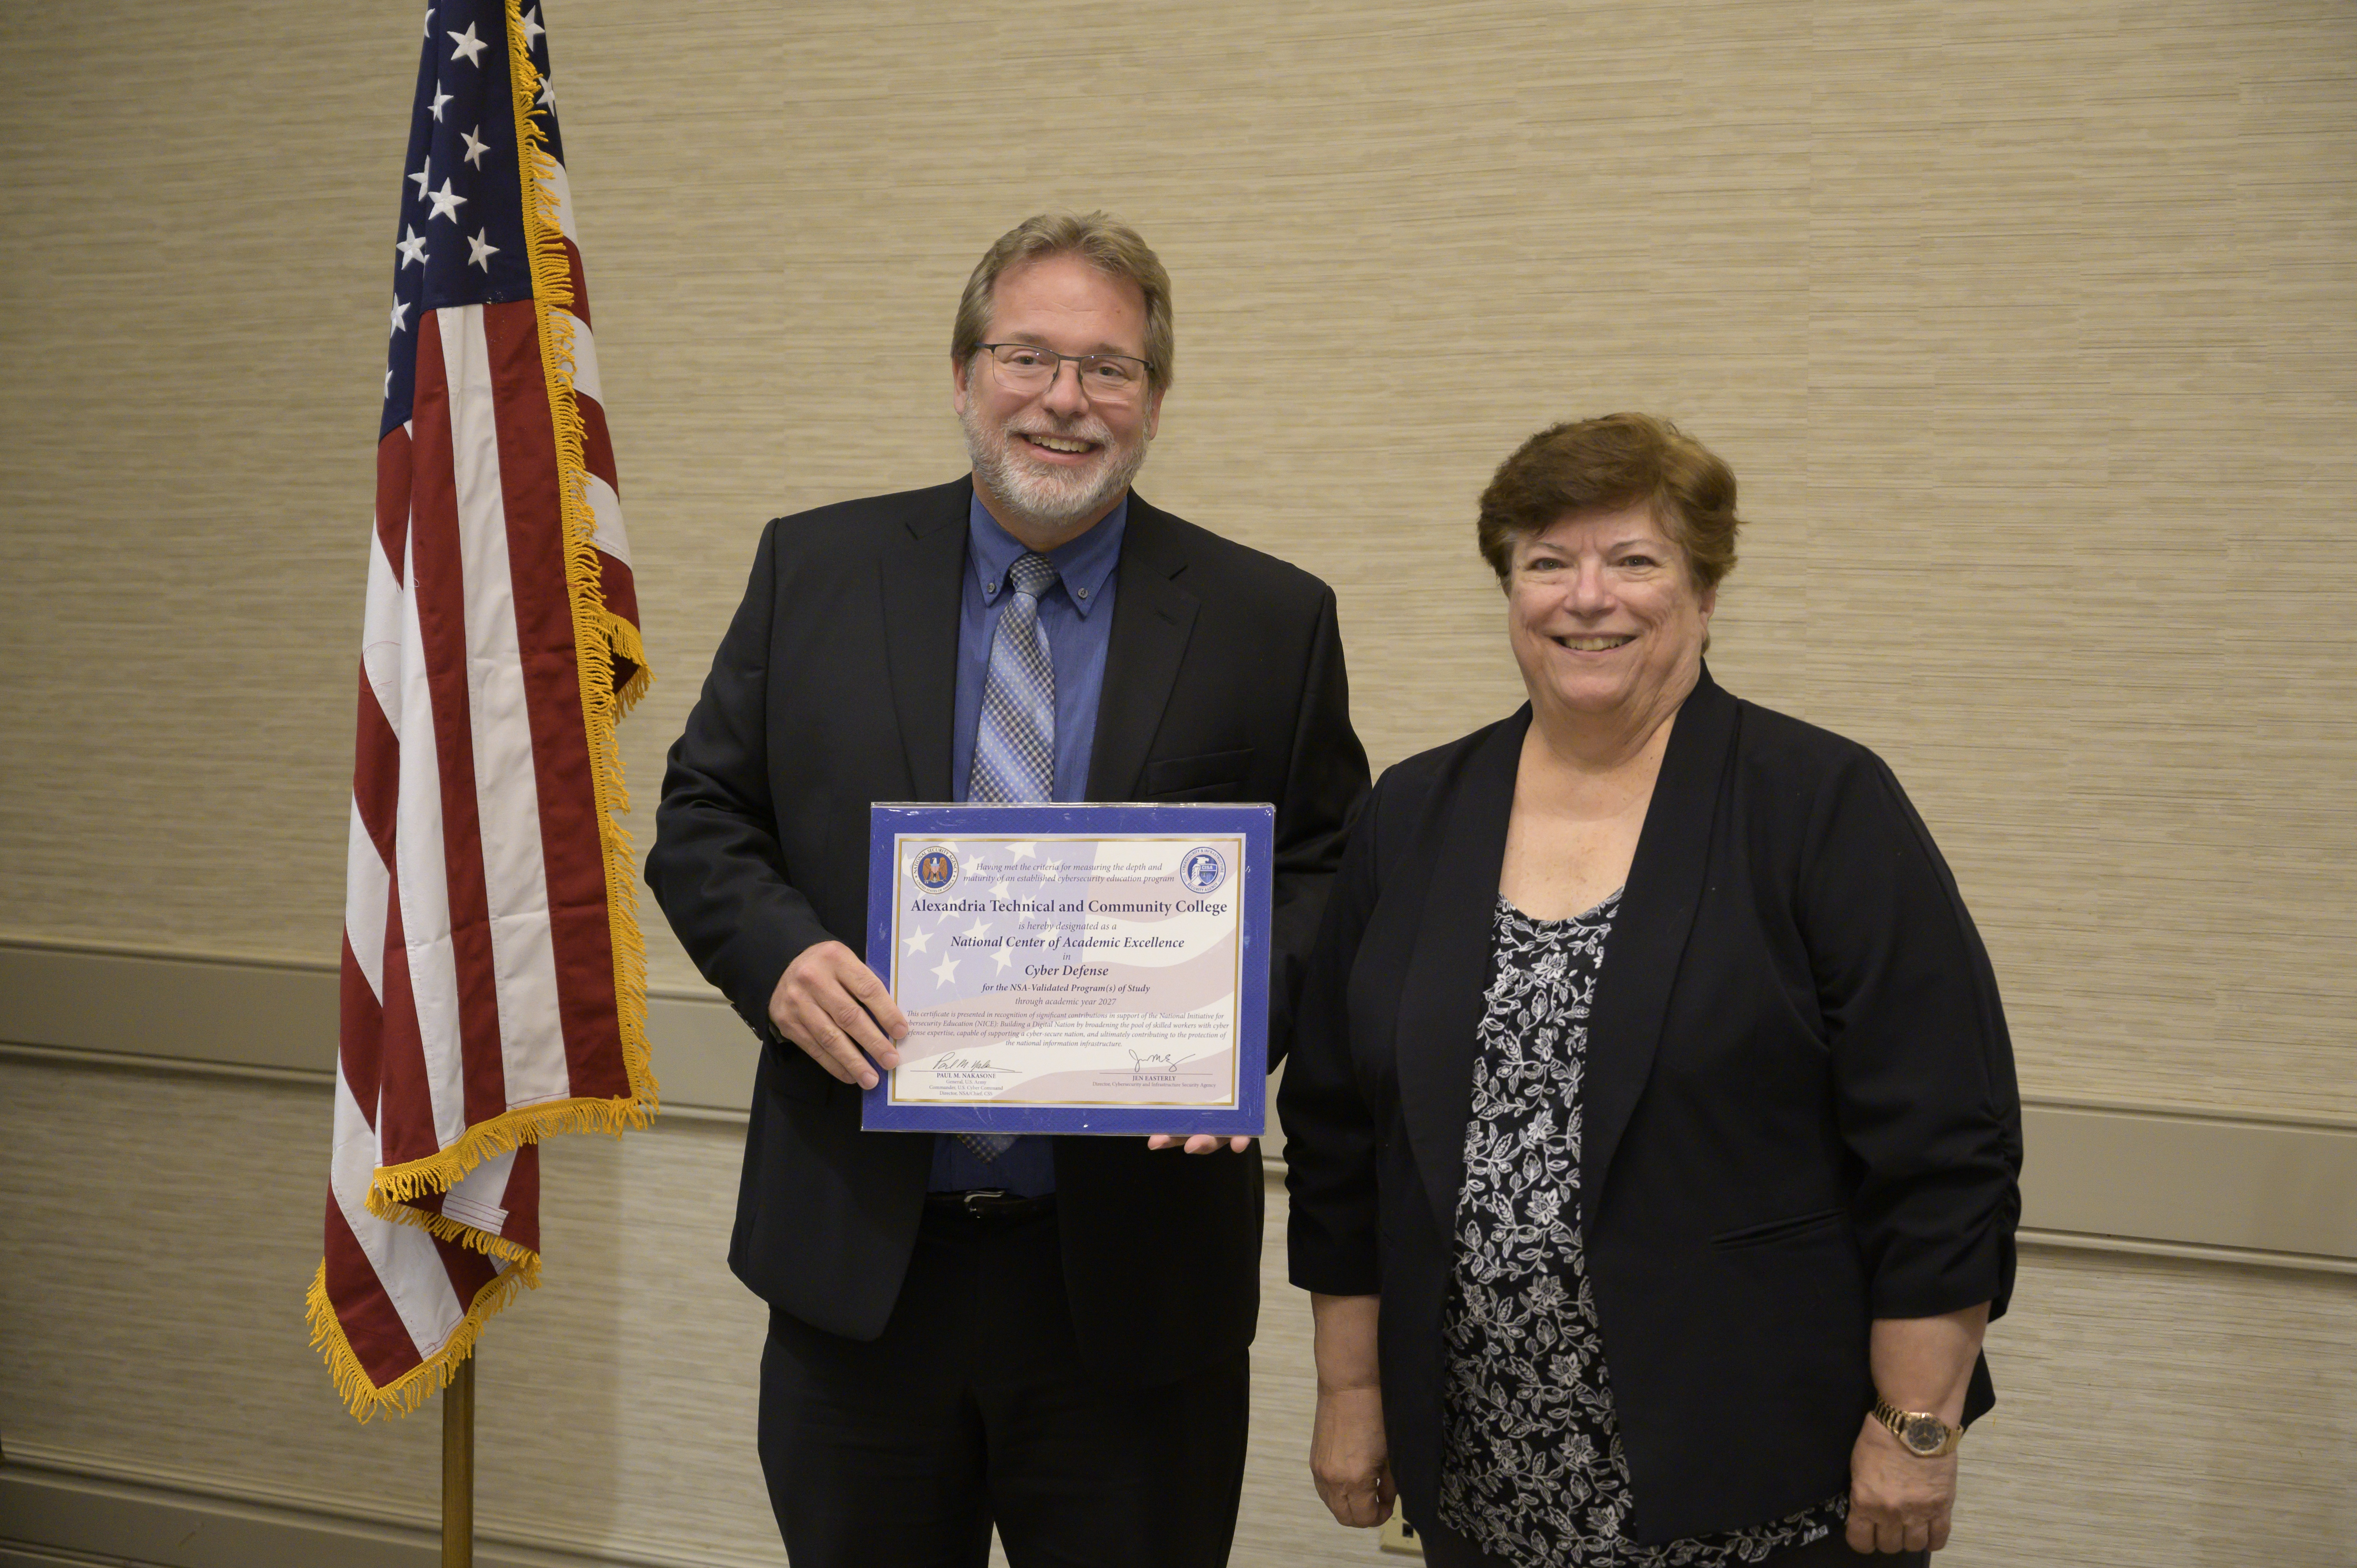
1072, 969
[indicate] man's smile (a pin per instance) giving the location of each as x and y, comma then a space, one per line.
1061, 446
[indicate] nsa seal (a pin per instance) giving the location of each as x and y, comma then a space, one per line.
937, 868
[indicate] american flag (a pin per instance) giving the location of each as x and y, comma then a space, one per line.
493, 984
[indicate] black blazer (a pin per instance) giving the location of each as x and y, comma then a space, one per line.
1800, 1112
833, 688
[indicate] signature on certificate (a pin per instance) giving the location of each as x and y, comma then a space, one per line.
958, 1061
1142, 1063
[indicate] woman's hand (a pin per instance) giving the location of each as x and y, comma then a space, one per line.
1349, 1458
1897, 1502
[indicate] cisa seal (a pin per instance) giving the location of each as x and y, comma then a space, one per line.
1203, 869
937, 868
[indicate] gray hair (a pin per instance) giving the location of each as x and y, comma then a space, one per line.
1106, 243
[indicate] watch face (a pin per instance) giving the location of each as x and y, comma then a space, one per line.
1923, 1434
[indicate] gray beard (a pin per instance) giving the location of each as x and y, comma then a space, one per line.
1048, 502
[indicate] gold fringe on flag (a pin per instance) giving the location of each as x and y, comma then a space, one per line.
429, 1377
394, 1185
601, 637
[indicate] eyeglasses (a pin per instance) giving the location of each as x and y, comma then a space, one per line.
1105, 378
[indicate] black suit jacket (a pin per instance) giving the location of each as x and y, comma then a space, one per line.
1799, 1104
833, 688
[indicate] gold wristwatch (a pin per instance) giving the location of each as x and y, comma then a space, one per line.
1919, 1431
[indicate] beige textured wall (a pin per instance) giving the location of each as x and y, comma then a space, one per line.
2032, 332
2153, 1413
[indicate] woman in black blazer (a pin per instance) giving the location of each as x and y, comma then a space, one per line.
1651, 1117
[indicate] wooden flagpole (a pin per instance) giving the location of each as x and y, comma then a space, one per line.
459, 1467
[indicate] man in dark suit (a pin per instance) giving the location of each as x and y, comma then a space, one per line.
1049, 1335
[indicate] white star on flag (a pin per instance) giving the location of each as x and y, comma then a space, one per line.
469, 45
411, 246
548, 92
946, 971
429, 21
445, 202
532, 28
475, 147
917, 941
424, 174
480, 252
435, 108
399, 308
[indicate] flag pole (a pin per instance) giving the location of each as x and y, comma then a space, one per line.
459, 1467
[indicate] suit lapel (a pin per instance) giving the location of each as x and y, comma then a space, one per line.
1153, 617
1448, 965
1642, 955
919, 581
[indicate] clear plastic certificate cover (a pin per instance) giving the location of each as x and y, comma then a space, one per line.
1074, 968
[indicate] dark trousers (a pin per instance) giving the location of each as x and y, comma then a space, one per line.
973, 1409
1444, 1548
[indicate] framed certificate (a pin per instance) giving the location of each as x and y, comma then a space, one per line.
1074, 968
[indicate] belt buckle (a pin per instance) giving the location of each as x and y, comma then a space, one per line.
976, 1201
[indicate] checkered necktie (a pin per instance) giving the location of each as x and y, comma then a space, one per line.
1015, 746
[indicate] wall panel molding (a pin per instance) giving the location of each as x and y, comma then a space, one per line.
204, 1009
2279, 1191
63, 1507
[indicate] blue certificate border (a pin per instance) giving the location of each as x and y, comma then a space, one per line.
1254, 824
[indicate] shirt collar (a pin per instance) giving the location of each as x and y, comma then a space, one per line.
1081, 564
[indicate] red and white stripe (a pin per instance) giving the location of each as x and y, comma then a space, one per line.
480, 981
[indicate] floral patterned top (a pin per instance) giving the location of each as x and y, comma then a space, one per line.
1532, 1469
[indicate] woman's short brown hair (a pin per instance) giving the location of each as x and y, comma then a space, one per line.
1599, 465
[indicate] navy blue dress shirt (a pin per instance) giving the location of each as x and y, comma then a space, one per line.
1077, 615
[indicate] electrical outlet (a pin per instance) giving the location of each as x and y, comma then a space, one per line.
1397, 1535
